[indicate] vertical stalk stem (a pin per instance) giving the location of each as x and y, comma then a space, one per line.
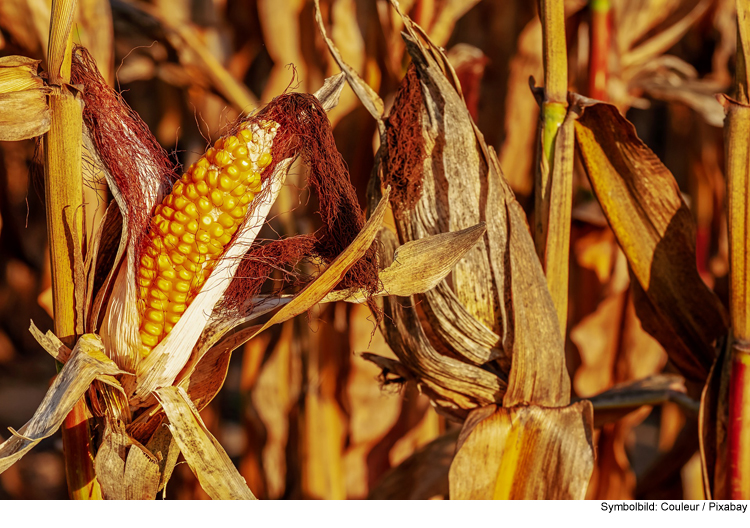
599, 43
554, 175
64, 198
737, 138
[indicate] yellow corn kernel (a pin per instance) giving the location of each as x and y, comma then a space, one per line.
192, 227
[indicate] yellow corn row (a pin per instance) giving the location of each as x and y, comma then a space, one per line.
193, 225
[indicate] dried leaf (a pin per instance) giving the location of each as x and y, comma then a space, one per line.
86, 363
655, 230
665, 37
526, 452
50, 343
125, 469
419, 265
205, 456
369, 98
207, 378
24, 111
163, 446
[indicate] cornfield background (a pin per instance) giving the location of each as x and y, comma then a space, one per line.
302, 413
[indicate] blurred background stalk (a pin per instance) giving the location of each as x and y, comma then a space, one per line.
64, 201
600, 35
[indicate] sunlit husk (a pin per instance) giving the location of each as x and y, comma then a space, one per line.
525, 452
23, 99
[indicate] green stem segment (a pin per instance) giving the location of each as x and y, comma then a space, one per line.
554, 175
64, 198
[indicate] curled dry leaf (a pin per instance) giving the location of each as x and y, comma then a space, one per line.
419, 265
655, 229
125, 469
87, 362
24, 111
205, 456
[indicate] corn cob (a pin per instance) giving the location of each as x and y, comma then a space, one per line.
193, 225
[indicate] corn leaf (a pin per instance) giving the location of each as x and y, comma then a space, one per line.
655, 230
419, 265
205, 456
87, 362
524, 452
24, 111
125, 469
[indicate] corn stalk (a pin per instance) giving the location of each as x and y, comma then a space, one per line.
599, 42
737, 135
554, 175
64, 197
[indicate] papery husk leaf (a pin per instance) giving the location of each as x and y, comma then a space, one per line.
330, 93
424, 262
453, 184
124, 468
24, 111
100, 262
164, 447
208, 376
422, 476
86, 363
51, 343
207, 459
18, 73
655, 230
24, 114
525, 452
418, 265
454, 384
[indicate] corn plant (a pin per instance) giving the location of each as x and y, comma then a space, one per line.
150, 332
154, 292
